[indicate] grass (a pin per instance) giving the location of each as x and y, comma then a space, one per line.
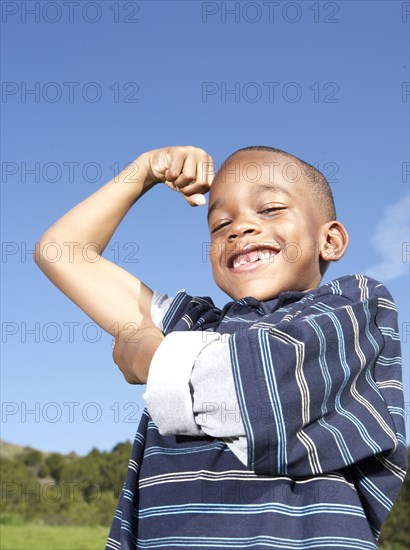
45, 537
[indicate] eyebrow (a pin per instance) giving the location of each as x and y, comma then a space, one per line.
272, 187
261, 188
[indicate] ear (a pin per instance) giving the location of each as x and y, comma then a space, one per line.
335, 241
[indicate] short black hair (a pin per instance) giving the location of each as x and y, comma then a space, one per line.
312, 176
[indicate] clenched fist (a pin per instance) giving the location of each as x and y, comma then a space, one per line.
186, 169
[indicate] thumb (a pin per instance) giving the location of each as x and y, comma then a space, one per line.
196, 200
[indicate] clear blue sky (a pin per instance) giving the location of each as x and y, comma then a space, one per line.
109, 80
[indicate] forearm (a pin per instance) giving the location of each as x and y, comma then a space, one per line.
96, 218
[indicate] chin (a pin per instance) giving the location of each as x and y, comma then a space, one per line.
259, 295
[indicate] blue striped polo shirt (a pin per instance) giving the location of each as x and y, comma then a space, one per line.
318, 381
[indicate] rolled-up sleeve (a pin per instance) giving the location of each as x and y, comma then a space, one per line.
168, 395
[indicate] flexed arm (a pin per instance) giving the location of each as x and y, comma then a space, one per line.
108, 294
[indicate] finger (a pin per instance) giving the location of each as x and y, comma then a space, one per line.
199, 172
171, 185
162, 161
188, 173
175, 168
194, 194
196, 200
194, 188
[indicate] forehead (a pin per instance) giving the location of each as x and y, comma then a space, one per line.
255, 171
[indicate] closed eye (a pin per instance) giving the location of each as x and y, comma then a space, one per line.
271, 209
220, 226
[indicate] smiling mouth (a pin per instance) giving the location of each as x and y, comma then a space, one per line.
252, 259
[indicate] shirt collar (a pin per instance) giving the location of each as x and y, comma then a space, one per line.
264, 307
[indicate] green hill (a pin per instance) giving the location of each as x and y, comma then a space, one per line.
58, 489
9, 450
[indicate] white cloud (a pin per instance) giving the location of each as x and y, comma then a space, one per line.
391, 240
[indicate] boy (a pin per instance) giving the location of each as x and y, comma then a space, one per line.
276, 422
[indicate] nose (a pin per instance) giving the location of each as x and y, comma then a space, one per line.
242, 226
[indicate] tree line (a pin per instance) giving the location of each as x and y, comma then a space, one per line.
57, 489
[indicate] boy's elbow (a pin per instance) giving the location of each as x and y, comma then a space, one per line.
40, 257
37, 253
48, 251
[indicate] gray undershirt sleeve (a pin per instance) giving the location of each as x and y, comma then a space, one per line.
190, 388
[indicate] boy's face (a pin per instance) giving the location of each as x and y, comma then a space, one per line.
266, 230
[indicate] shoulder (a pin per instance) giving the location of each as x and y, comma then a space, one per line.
349, 302
353, 288
358, 295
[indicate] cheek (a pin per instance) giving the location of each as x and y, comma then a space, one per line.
218, 253
212, 253
292, 253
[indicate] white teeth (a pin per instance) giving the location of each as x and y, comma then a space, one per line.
254, 256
